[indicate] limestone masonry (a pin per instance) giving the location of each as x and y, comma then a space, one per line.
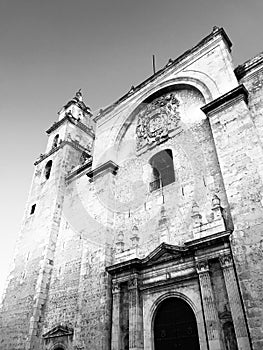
143, 226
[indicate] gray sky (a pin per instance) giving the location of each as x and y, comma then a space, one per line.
51, 48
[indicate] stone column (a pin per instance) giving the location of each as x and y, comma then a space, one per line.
135, 315
115, 331
235, 302
211, 314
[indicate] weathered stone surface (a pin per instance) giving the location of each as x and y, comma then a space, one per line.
99, 254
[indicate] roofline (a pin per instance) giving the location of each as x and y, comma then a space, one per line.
216, 31
244, 68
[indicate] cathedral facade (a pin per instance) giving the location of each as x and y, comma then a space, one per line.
143, 227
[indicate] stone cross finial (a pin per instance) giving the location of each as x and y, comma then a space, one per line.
79, 96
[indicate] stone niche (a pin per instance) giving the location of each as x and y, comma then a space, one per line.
58, 338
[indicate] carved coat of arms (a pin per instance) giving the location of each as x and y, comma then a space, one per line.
156, 120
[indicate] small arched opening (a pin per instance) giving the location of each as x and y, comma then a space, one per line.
47, 170
175, 326
162, 169
55, 141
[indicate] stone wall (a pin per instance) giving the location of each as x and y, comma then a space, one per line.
80, 222
240, 157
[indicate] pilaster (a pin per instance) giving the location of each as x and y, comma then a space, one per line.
115, 332
235, 302
135, 315
211, 315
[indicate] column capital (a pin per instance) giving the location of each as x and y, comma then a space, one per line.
226, 260
134, 282
202, 266
115, 286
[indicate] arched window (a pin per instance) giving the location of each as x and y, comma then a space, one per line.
162, 169
48, 169
55, 141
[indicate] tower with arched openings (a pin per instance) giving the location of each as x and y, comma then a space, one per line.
143, 228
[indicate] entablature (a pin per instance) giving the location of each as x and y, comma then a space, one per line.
170, 264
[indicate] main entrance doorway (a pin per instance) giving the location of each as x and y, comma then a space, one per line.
175, 326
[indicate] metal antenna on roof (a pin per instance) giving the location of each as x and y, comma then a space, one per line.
154, 70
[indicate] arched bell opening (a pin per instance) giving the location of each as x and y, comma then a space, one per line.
175, 326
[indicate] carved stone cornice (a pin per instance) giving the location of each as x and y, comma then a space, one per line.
80, 169
240, 92
248, 66
226, 260
72, 143
74, 121
109, 166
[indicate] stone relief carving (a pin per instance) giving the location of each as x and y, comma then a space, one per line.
134, 282
226, 260
202, 266
115, 286
156, 120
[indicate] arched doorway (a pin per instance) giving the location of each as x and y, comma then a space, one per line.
175, 326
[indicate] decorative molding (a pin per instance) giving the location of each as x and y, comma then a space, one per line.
226, 260
205, 241
58, 331
134, 282
202, 266
248, 66
115, 286
231, 96
72, 143
80, 169
74, 121
163, 253
109, 166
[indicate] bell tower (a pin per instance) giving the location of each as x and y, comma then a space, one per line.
70, 143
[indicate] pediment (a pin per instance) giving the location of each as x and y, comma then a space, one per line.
165, 252
58, 331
